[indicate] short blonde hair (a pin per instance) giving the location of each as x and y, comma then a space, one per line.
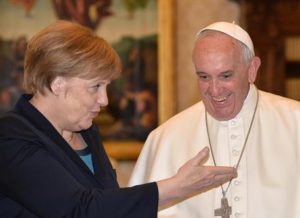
70, 50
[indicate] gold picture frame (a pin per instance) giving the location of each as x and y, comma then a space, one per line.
130, 149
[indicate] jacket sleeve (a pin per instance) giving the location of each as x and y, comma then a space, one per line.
34, 179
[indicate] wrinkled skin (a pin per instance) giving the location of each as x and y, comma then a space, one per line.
224, 76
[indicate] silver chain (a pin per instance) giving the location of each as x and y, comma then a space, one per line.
244, 146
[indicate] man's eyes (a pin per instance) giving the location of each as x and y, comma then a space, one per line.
202, 76
226, 75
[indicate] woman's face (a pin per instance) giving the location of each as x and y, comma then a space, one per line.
80, 101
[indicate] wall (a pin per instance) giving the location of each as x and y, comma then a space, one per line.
193, 15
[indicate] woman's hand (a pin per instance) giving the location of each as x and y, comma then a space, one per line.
193, 178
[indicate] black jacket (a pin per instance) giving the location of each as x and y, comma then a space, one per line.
41, 176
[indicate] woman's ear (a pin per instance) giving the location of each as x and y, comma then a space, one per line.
253, 69
58, 85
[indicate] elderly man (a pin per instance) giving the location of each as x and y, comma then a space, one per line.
255, 131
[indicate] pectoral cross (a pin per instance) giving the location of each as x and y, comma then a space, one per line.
225, 210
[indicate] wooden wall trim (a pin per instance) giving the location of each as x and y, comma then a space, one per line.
166, 59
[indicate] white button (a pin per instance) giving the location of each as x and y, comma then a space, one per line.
236, 198
237, 214
233, 136
235, 152
232, 122
237, 182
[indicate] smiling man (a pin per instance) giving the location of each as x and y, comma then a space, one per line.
255, 131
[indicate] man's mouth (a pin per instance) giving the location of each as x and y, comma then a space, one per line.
220, 99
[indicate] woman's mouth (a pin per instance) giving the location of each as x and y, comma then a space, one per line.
95, 113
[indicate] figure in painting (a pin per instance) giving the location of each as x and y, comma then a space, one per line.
11, 71
26, 4
135, 104
85, 12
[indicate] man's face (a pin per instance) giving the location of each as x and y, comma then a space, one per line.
223, 75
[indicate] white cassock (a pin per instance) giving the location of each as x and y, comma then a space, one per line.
268, 182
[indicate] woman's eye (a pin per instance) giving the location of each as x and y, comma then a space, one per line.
94, 88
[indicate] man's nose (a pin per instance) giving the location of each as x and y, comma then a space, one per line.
214, 87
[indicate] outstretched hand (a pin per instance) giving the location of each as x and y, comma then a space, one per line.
193, 178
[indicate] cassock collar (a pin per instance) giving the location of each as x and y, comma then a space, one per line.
249, 105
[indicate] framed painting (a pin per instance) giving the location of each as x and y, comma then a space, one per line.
130, 26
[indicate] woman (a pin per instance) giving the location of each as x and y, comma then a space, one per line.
43, 172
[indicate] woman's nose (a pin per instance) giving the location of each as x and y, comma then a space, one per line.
102, 98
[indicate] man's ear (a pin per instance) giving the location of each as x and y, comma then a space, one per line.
58, 85
253, 69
